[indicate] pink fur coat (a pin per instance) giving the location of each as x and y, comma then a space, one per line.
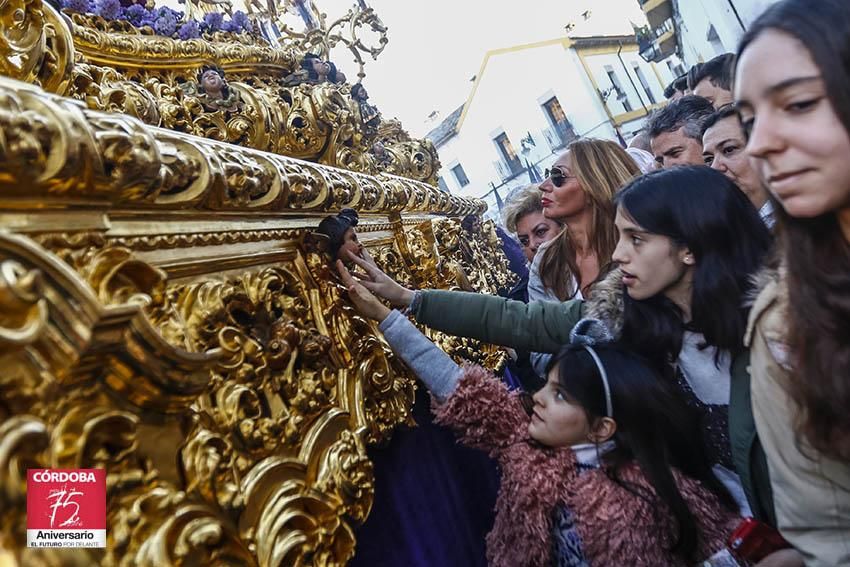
615, 526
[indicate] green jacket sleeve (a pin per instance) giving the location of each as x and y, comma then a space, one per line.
539, 326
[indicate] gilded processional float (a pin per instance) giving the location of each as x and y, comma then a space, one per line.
167, 311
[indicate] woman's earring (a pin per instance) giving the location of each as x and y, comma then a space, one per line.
689, 259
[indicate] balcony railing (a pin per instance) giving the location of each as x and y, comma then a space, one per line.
656, 44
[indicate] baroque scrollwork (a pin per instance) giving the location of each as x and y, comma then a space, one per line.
55, 148
165, 313
115, 67
23, 312
35, 44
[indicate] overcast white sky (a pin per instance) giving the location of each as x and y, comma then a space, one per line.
436, 46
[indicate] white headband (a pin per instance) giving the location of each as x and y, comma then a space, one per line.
608, 405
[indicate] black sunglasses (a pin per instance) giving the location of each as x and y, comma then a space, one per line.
557, 176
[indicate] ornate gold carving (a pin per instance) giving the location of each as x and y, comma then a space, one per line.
118, 44
323, 37
433, 265
54, 148
114, 67
23, 312
35, 44
279, 384
416, 159
169, 316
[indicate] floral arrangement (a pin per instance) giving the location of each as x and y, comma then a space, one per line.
164, 20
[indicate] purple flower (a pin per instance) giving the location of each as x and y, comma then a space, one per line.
137, 14
165, 23
81, 6
108, 9
213, 22
240, 22
189, 30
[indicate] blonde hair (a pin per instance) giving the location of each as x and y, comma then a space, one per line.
602, 168
524, 201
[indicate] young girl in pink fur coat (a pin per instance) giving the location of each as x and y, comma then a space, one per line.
607, 471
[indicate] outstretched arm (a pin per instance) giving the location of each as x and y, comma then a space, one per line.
539, 326
430, 364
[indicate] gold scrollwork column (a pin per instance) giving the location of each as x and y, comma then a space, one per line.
35, 45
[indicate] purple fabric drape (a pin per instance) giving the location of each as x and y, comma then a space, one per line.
434, 499
517, 262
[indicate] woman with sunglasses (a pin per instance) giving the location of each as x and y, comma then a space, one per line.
578, 192
689, 240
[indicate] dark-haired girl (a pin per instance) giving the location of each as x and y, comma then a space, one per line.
798, 118
689, 241
606, 472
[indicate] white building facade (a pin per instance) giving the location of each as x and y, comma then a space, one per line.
529, 101
694, 31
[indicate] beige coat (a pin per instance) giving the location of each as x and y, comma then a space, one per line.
811, 493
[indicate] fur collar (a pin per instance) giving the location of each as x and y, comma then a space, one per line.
768, 274
606, 302
768, 291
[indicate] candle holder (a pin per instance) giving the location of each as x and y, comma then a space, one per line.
320, 34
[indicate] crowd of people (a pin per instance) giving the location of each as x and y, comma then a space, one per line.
684, 326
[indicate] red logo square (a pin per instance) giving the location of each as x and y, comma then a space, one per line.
66, 507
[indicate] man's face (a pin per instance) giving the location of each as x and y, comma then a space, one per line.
675, 148
717, 96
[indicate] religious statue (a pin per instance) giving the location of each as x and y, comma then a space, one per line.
383, 158
314, 71
339, 230
212, 90
370, 117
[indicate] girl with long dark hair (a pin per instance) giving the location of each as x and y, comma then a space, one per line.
798, 118
689, 241
604, 472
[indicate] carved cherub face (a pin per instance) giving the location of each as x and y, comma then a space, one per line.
212, 82
321, 68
